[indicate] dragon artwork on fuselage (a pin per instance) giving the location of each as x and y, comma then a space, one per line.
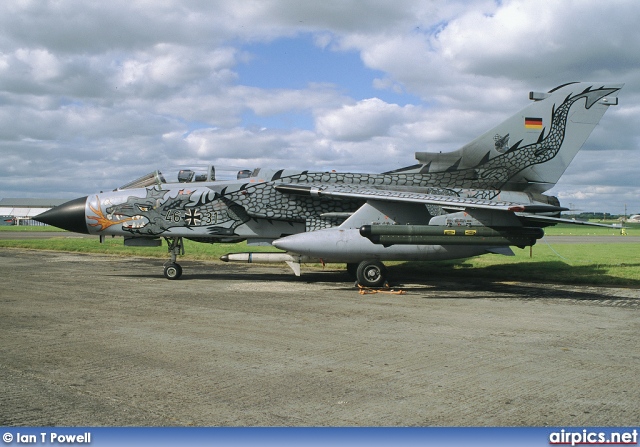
155, 214
221, 212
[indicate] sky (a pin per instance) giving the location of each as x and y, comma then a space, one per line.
95, 94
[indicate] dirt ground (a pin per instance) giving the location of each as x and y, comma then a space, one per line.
90, 340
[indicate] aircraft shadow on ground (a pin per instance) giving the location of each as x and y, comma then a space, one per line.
453, 280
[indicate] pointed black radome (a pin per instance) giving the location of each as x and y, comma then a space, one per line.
68, 216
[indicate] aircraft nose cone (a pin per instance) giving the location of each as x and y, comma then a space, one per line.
297, 243
69, 216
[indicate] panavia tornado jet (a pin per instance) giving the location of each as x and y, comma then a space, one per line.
482, 198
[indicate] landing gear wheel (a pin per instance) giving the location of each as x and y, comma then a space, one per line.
172, 271
371, 274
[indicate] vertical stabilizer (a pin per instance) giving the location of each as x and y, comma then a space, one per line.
531, 149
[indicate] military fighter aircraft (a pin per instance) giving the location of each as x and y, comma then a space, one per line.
481, 198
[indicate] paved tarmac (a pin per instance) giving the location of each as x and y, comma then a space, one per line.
91, 340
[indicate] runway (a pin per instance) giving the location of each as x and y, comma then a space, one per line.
101, 340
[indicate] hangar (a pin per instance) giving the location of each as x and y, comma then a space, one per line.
21, 211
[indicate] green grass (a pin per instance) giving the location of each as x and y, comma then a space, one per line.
115, 246
612, 264
581, 230
29, 229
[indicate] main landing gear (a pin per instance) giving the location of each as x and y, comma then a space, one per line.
173, 270
368, 273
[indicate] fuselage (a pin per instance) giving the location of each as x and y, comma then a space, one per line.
251, 208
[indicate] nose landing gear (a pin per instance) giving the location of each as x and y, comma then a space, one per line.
173, 270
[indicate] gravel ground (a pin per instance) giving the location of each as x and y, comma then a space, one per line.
91, 340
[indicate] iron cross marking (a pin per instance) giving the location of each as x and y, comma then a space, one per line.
192, 217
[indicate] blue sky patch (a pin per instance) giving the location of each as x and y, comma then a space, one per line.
294, 63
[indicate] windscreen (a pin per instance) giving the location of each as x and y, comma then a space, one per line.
191, 174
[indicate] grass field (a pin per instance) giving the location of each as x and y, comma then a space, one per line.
29, 229
613, 264
583, 230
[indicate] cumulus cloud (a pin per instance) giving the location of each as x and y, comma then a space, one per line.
364, 120
523, 40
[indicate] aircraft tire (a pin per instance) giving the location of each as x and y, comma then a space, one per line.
371, 274
172, 271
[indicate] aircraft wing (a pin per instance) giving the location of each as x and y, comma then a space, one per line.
394, 195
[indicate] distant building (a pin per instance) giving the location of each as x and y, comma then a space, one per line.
22, 211
634, 218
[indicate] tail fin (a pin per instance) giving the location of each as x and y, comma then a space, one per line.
530, 150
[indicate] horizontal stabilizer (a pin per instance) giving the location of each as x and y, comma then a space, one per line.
557, 220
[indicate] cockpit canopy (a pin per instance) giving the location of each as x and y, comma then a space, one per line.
188, 175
